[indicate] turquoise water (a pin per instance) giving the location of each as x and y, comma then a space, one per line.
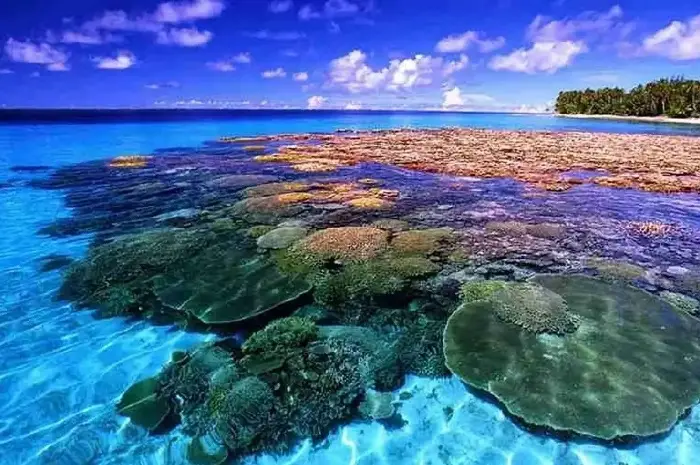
62, 371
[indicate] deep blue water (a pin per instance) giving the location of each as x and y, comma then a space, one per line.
62, 371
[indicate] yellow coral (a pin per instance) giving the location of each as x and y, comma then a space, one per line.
254, 148
294, 197
369, 203
650, 228
129, 161
314, 167
276, 188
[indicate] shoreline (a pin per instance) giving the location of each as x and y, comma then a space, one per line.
640, 119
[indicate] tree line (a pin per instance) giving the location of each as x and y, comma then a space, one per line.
675, 97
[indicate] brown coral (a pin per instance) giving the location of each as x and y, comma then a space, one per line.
347, 243
129, 161
650, 229
541, 159
423, 242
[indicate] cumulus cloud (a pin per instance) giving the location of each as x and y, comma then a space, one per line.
455, 99
184, 11
353, 106
677, 41
301, 77
265, 34
315, 102
352, 73
6, 71
225, 66
588, 25
546, 57
86, 37
184, 37
243, 58
461, 42
274, 73
40, 54
452, 67
335, 9
280, 6
159, 22
228, 65
124, 59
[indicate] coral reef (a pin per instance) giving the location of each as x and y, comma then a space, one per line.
615, 270
281, 238
541, 159
421, 242
473, 291
682, 302
625, 372
650, 229
346, 244
129, 161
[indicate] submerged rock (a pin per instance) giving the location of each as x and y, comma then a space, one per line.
629, 370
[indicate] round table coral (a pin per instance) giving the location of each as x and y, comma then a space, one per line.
631, 368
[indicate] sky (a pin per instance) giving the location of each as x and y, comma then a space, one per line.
472, 55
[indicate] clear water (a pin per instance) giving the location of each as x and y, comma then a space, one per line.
62, 370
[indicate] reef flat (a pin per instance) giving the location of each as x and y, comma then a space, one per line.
333, 267
544, 159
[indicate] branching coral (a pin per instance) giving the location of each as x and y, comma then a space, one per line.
350, 243
281, 335
614, 270
473, 291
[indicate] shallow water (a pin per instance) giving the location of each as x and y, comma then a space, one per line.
62, 370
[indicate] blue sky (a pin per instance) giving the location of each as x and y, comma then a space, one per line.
499, 55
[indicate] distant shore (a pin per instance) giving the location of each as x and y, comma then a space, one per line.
643, 119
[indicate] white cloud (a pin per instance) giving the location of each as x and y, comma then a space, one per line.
677, 41
88, 37
455, 99
333, 9
315, 102
353, 106
588, 25
452, 98
159, 22
228, 65
301, 77
123, 60
242, 58
461, 42
452, 67
6, 71
544, 108
352, 73
58, 67
265, 34
184, 37
163, 85
184, 11
274, 73
546, 57
224, 66
280, 6
40, 54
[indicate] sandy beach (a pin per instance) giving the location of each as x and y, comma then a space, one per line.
641, 119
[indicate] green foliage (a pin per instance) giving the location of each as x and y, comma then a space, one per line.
281, 335
675, 97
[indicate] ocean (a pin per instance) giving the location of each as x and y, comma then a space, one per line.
63, 370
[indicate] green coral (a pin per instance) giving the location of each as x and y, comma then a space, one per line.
534, 308
281, 335
629, 373
617, 270
682, 302
422, 242
142, 404
480, 290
